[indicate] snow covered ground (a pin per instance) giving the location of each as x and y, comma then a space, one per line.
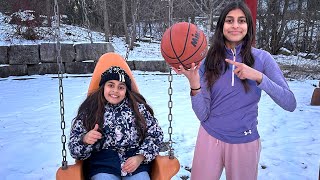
30, 133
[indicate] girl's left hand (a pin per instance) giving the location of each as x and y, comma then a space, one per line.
192, 74
245, 72
132, 163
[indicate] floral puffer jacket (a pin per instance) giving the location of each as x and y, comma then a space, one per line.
120, 134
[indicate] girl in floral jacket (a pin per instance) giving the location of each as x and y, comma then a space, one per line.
115, 130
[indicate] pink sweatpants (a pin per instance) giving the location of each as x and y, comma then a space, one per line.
212, 155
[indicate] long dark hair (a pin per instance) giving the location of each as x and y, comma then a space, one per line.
92, 109
215, 63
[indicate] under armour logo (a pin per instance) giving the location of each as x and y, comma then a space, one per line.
247, 132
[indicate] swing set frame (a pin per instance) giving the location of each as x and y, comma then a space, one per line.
163, 167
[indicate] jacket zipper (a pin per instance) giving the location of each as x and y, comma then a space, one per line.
233, 66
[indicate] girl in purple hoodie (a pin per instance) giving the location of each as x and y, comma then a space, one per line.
225, 91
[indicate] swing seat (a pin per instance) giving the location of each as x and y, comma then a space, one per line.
163, 168
73, 172
315, 100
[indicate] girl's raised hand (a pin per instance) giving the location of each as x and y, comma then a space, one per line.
245, 72
133, 163
92, 136
192, 74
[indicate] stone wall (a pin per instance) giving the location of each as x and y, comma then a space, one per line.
20, 60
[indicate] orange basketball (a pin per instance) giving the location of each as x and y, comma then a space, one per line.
183, 43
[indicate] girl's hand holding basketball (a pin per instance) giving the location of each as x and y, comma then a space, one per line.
92, 136
192, 74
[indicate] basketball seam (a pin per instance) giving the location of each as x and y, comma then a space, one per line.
203, 38
178, 57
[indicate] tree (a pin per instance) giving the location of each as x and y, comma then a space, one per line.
292, 24
105, 20
134, 14
124, 18
299, 16
273, 22
207, 8
49, 6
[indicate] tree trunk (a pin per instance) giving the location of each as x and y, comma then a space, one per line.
259, 20
312, 4
48, 8
296, 46
277, 29
125, 27
311, 43
150, 29
134, 13
209, 25
170, 18
106, 25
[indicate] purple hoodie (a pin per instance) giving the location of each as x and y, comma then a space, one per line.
230, 114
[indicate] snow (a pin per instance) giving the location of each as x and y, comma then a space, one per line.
30, 145
30, 135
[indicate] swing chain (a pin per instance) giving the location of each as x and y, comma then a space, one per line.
170, 90
170, 103
60, 77
127, 53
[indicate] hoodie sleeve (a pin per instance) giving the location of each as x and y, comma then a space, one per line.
78, 149
275, 85
201, 101
150, 146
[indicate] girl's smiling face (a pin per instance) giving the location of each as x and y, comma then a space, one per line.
114, 91
235, 27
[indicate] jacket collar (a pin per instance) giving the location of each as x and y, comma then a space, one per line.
113, 106
237, 48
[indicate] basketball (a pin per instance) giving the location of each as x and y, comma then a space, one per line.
183, 44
